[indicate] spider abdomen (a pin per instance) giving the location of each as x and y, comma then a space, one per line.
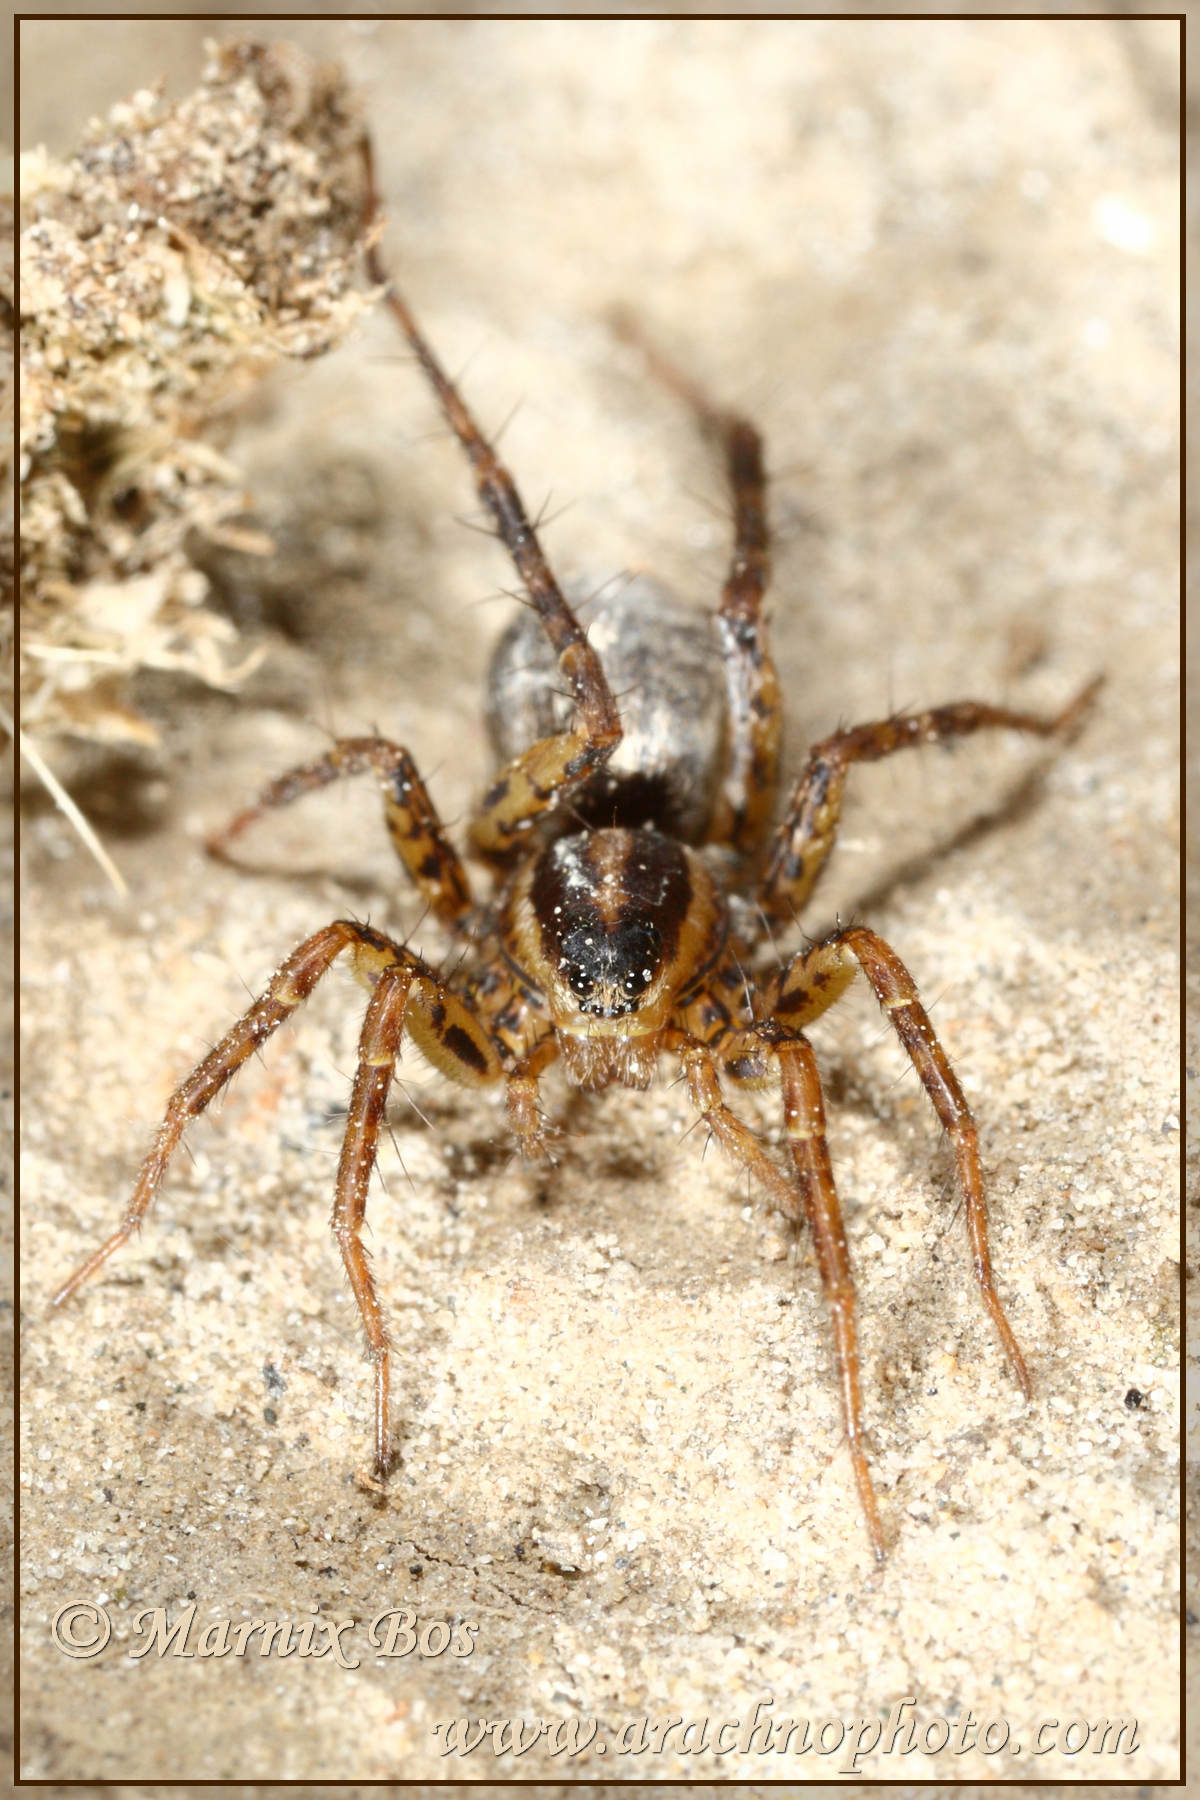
664, 667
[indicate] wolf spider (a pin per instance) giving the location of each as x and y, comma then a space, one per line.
637, 869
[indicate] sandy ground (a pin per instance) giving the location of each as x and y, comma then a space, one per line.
938, 264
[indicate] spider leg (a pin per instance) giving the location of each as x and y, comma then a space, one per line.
746, 794
418, 836
812, 982
704, 1092
439, 1022
552, 769
290, 986
525, 1117
379, 1045
812, 1196
406, 997
804, 1119
803, 840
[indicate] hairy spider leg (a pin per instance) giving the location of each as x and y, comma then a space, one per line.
551, 770
378, 1047
810, 1197
699, 1064
526, 1120
800, 845
812, 982
746, 794
291, 984
407, 996
418, 835
804, 1123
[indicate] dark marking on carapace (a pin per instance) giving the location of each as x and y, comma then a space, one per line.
610, 907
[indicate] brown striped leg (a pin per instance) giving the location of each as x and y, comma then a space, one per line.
441, 1025
800, 846
405, 995
746, 796
814, 981
897, 994
418, 836
549, 771
290, 985
525, 1117
811, 1196
804, 1119
379, 1045
704, 1091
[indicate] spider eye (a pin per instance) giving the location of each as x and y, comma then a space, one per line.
609, 969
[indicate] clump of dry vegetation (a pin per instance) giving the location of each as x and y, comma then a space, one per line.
181, 252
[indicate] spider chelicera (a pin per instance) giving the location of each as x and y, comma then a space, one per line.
639, 862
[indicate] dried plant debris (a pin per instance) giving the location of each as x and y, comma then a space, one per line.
182, 251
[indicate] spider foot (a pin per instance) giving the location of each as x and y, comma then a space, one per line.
371, 1477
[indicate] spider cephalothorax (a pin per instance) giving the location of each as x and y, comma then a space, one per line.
625, 843
610, 927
